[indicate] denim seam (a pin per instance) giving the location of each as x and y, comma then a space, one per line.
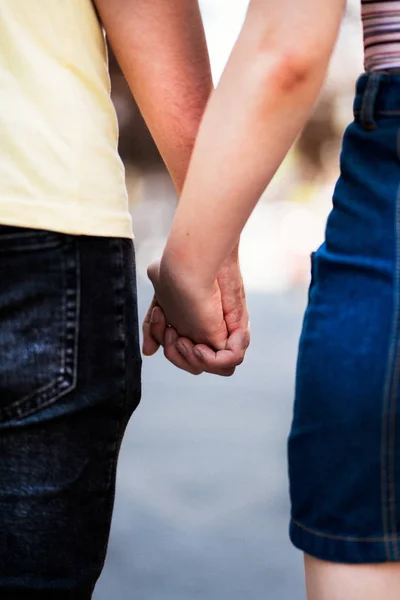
396, 376
38, 246
75, 357
367, 102
388, 490
135, 390
380, 112
67, 377
120, 296
339, 538
33, 240
33, 234
124, 319
121, 309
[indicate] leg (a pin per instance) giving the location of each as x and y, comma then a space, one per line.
69, 381
330, 581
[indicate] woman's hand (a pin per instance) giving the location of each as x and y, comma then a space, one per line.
192, 307
228, 340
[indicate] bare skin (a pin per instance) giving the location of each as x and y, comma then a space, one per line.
329, 581
273, 98
162, 51
267, 88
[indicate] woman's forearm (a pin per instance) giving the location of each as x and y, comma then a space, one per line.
252, 119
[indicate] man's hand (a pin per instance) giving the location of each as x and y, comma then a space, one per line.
196, 358
192, 307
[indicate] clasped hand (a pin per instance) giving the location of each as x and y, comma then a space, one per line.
203, 327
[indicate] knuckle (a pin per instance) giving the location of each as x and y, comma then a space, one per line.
168, 353
228, 373
239, 359
192, 370
234, 361
195, 366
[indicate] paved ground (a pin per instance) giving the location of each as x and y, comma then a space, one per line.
202, 507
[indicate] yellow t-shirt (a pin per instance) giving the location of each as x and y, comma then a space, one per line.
59, 164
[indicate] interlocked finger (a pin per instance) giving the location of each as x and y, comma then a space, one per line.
172, 353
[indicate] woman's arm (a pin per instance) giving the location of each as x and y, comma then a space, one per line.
266, 93
161, 48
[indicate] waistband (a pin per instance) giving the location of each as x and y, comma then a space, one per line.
377, 96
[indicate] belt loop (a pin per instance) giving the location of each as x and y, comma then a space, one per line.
367, 114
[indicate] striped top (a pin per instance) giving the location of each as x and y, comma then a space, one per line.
381, 24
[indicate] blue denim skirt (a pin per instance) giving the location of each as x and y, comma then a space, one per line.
344, 446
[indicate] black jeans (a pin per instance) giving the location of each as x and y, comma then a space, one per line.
69, 381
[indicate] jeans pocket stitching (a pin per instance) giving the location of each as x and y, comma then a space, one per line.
67, 378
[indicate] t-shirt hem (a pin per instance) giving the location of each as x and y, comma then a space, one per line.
59, 219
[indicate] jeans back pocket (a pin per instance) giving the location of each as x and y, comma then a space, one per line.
39, 309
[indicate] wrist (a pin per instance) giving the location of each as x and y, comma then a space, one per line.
234, 253
185, 267
179, 261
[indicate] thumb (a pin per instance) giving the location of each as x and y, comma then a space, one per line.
230, 357
150, 343
153, 271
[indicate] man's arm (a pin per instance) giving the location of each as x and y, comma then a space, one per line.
161, 48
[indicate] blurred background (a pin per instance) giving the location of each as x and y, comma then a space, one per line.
202, 498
